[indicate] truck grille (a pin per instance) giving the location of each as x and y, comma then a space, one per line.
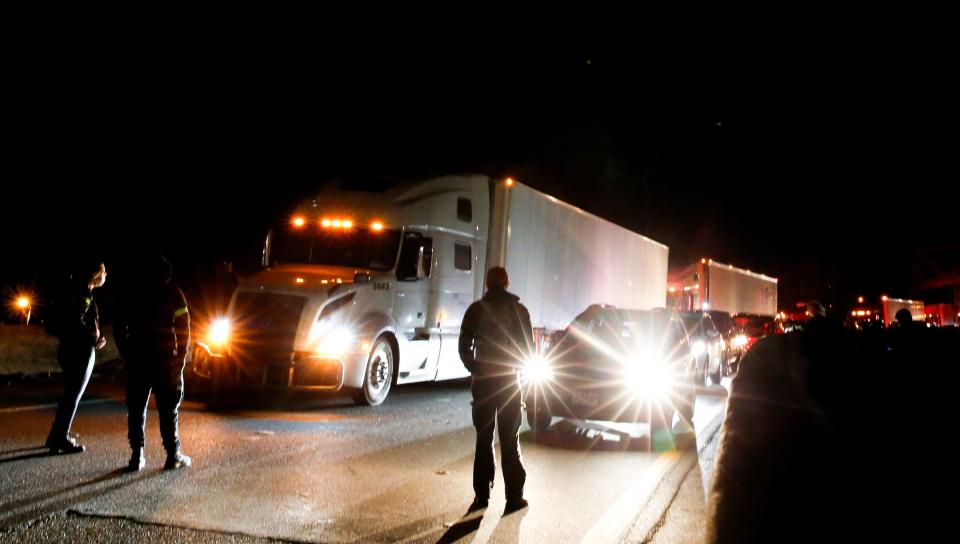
269, 322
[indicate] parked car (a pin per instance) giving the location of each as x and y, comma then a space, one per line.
733, 337
614, 364
707, 345
755, 327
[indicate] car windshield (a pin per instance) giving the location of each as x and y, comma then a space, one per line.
357, 248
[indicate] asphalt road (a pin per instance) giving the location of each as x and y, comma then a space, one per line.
307, 469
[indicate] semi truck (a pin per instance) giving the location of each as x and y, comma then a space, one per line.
711, 285
865, 316
364, 286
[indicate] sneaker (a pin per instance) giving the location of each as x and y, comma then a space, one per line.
177, 460
65, 445
137, 461
515, 504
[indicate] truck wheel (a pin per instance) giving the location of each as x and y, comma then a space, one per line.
379, 375
539, 420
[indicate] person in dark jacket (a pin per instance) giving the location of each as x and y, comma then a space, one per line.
496, 335
153, 335
78, 328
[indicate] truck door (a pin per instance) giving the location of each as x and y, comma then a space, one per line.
420, 350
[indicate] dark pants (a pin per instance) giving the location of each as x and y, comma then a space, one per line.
165, 379
77, 364
497, 400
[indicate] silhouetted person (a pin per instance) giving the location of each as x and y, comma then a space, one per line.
74, 319
495, 336
153, 335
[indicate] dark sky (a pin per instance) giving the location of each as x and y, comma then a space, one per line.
823, 162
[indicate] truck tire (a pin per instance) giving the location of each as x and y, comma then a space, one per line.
539, 420
379, 375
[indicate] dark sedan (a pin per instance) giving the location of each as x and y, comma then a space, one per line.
614, 365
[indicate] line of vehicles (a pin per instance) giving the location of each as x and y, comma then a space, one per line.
365, 287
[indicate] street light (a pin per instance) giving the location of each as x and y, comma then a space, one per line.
23, 304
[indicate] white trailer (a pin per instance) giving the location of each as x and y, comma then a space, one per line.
366, 286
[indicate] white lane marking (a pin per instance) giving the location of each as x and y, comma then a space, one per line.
618, 517
45, 406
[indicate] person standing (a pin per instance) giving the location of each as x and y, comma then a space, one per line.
495, 336
74, 319
153, 335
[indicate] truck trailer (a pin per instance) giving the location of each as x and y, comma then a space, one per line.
365, 286
711, 285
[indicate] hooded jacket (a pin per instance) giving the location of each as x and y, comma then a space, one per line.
496, 334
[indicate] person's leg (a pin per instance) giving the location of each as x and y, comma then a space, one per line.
484, 464
508, 427
169, 395
77, 364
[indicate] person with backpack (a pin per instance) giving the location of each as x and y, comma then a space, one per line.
75, 321
496, 335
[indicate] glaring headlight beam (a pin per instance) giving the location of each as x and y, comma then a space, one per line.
537, 369
219, 332
336, 342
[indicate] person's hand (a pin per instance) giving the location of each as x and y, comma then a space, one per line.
101, 342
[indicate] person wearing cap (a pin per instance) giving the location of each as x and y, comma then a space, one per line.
153, 336
75, 320
495, 336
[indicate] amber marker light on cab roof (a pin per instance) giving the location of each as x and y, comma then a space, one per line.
510, 182
376, 226
299, 222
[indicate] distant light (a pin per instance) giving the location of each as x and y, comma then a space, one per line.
347, 224
299, 280
325, 223
336, 223
884, 298
672, 289
23, 303
510, 182
703, 261
376, 226
324, 282
860, 300
339, 280
299, 222
706, 306
853, 313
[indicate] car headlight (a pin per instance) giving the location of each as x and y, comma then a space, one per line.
739, 341
651, 380
536, 368
698, 348
335, 343
219, 332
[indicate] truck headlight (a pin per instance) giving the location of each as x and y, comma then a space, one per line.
739, 341
537, 369
335, 342
219, 333
698, 348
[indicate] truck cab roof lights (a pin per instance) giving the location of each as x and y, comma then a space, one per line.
347, 224
509, 182
325, 223
336, 223
376, 226
298, 222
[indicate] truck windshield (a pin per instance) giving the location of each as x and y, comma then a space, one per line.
358, 248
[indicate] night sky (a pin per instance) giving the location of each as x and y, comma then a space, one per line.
823, 163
